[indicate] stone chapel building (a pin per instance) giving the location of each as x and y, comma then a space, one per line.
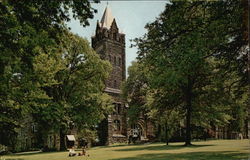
109, 43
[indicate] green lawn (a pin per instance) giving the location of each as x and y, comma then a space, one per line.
209, 150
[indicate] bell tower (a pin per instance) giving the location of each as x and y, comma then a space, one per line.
109, 43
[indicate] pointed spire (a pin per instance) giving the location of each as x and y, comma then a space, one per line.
114, 26
107, 18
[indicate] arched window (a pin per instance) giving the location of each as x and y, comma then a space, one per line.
117, 125
106, 33
136, 130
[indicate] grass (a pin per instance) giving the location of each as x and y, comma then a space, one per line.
205, 150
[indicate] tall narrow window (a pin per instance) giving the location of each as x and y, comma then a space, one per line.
109, 58
33, 128
117, 125
120, 61
114, 36
115, 60
115, 85
115, 108
118, 108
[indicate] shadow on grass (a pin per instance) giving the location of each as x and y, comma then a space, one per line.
1, 158
13, 159
32, 153
191, 156
112, 146
161, 147
28, 154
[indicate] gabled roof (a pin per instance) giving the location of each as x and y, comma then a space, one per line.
107, 18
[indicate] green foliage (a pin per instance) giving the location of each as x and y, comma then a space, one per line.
135, 91
88, 135
72, 77
191, 51
43, 72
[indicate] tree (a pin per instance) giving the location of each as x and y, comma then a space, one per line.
27, 29
73, 80
143, 102
182, 50
135, 91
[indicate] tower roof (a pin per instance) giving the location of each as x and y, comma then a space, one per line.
107, 18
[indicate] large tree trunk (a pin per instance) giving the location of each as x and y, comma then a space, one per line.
62, 140
188, 126
188, 113
166, 133
158, 133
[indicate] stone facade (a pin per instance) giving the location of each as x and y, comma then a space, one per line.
109, 43
26, 138
226, 133
142, 130
30, 138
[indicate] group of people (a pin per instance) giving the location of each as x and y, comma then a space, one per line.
72, 152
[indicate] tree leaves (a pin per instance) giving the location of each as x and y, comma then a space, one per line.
186, 51
34, 76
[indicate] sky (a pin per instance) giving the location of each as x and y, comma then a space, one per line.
131, 18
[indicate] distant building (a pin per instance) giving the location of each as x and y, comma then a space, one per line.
30, 137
